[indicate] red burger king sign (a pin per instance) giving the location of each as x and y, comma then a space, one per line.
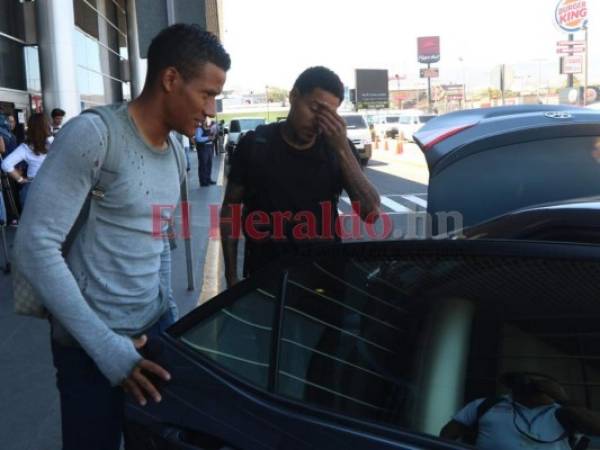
571, 15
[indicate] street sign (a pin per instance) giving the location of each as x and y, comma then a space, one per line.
571, 64
428, 49
563, 50
571, 15
432, 72
563, 43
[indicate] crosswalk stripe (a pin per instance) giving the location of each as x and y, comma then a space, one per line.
394, 206
416, 200
389, 203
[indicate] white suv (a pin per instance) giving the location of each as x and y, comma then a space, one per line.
410, 123
358, 132
236, 130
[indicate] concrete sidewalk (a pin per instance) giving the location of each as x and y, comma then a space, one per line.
391, 151
29, 406
406, 162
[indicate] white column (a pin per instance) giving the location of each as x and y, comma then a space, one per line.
445, 364
136, 66
55, 22
103, 32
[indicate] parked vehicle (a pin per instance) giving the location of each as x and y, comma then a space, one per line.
386, 126
373, 345
485, 163
358, 132
409, 124
237, 128
399, 123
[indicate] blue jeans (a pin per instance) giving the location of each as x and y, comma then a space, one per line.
92, 411
23, 193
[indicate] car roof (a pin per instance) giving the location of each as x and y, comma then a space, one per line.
451, 135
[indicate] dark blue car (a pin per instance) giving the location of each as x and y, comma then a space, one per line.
378, 345
487, 162
374, 345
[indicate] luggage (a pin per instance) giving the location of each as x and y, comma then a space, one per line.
10, 194
3, 223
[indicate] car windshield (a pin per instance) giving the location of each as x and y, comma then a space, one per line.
405, 120
392, 119
355, 122
243, 125
425, 118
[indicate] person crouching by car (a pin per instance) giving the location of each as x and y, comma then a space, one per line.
33, 152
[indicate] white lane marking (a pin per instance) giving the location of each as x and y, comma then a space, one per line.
386, 201
211, 280
394, 206
221, 170
416, 200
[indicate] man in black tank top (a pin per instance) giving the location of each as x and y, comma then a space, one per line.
289, 177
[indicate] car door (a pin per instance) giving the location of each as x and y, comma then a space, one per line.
373, 345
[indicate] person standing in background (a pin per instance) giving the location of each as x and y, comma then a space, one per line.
33, 152
58, 116
204, 148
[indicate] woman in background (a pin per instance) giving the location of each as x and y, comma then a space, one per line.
33, 152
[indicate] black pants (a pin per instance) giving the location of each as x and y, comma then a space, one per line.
205, 157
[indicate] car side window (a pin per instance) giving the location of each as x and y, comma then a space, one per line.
410, 343
341, 346
238, 337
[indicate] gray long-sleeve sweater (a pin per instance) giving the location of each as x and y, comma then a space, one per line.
108, 288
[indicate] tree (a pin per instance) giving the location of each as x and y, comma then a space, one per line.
277, 94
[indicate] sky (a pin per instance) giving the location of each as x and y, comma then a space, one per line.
272, 41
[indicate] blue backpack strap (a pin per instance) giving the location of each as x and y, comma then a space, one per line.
179, 156
99, 187
111, 157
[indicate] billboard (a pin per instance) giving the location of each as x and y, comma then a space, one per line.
428, 49
372, 90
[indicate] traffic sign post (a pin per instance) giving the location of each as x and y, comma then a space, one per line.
570, 50
572, 16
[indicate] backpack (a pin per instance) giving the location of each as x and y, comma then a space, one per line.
263, 135
576, 443
25, 300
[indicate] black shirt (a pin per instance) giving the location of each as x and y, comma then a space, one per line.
279, 179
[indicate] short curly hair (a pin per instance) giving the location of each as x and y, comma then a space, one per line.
320, 77
186, 47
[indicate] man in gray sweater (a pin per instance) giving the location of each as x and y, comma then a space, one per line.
105, 296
